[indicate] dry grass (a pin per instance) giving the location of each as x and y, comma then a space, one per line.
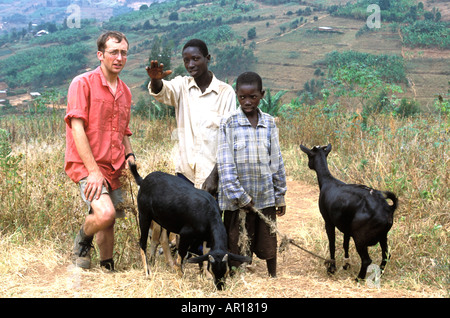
39, 220
38, 269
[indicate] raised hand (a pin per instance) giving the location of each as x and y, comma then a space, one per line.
156, 71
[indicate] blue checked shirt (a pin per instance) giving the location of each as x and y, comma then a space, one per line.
249, 163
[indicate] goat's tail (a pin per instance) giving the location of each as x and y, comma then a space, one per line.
137, 177
393, 197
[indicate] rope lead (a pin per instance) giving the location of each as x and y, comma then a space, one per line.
274, 230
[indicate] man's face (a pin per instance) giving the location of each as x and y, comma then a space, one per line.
194, 61
115, 56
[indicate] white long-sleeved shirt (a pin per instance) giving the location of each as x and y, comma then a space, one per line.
198, 118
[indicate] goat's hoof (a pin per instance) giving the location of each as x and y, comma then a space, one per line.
331, 266
346, 263
331, 269
179, 270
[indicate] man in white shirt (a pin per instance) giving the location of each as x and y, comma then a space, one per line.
200, 101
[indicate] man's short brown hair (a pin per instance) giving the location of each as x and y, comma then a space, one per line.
102, 39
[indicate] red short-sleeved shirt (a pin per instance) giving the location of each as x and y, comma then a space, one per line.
106, 118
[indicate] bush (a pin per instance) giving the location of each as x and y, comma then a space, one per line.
407, 108
10, 182
390, 67
151, 109
427, 33
173, 16
251, 34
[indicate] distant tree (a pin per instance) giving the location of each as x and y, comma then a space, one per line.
147, 25
160, 53
428, 15
173, 16
318, 72
413, 13
437, 16
229, 61
251, 34
52, 27
384, 4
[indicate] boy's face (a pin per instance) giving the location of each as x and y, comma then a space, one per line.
194, 61
249, 96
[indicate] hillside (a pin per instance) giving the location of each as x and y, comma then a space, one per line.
287, 48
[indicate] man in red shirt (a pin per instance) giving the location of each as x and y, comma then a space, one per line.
98, 145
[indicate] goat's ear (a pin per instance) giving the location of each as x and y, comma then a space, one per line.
198, 259
240, 258
304, 149
327, 149
225, 258
211, 259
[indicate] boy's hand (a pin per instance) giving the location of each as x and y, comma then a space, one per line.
280, 210
156, 71
249, 207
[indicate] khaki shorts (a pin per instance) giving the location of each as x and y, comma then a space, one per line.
115, 195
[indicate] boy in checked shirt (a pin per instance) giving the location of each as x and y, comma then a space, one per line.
251, 172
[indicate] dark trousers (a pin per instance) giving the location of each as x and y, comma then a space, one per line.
261, 242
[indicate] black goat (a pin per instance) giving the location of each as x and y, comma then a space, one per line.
356, 210
192, 213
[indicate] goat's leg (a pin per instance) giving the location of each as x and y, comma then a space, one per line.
385, 256
154, 241
183, 246
164, 240
331, 263
203, 266
346, 256
365, 260
144, 224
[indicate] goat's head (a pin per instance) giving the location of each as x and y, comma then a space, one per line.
315, 151
218, 265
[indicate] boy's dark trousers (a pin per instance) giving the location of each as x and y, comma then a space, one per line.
261, 242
